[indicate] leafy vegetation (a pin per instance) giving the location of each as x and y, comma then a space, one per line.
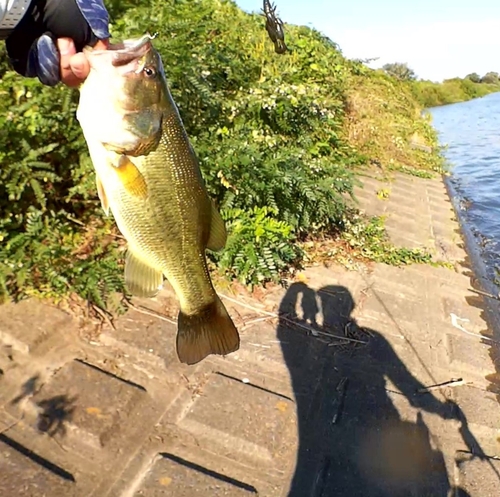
362, 240
450, 91
280, 140
53, 240
368, 239
386, 124
491, 78
259, 246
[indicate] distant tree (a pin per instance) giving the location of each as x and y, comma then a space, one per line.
474, 77
400, 70
491, 77
368, 60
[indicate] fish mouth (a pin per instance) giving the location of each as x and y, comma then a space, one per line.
124, 52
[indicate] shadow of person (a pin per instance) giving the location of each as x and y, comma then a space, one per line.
352, 440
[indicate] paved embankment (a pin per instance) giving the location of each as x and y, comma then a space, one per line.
295, 411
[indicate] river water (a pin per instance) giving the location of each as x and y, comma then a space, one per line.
471, 131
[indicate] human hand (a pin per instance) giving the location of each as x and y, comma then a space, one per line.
47, 43
74, 66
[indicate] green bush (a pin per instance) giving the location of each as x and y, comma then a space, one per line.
450, 91
368, 238
491, 78
47, 198
268, 131
386, 123
271, 133
431, 94
259, 247
474, 77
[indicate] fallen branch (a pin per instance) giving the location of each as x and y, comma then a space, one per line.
248, 306
259, 345
480, 456
337, 344
257, 320
491, 296
150, 312
104, 315
451, 383
311, 329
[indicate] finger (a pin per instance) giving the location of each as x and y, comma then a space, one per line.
74, 66
67, 50
66, 46
80, 66
102, 45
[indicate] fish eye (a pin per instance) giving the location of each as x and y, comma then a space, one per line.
149, 72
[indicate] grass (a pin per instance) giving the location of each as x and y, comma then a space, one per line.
385, 123
363, 240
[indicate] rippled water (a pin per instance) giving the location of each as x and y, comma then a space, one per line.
472, 132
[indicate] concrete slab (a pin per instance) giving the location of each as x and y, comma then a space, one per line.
345, 384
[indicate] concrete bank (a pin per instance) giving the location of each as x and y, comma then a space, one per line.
369, 383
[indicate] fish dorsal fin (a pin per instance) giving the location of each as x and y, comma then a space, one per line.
141, 280
102, 195
218, 233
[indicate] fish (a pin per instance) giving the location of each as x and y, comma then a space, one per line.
274, 27
148, 176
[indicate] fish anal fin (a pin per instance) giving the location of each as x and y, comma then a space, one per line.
211, 331
141, 280
102, 195
218, 233
131, 178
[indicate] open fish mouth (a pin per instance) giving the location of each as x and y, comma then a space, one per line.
126, 51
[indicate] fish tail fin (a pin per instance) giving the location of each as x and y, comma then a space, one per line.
210, 331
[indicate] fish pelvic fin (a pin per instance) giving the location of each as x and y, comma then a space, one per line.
218, 234
102, 195
141, 280
211, 331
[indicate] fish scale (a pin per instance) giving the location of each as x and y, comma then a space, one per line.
176, 193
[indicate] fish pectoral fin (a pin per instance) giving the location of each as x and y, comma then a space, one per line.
210, 331
141, 280
131, 178
218, 233
102, 195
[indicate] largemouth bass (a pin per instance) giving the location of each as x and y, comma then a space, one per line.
148, 176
